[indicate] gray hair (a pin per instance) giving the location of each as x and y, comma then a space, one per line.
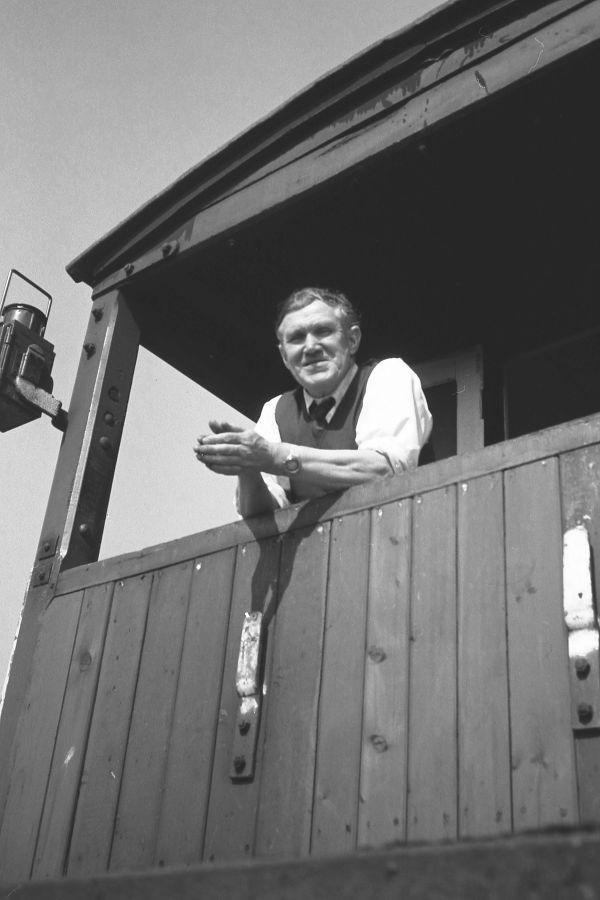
305, 296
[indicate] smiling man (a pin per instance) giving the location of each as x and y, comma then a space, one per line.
342, 425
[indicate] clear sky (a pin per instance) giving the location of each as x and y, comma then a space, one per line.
103, 104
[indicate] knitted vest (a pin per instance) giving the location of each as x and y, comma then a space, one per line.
295, 426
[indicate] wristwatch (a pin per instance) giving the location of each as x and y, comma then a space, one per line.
291, 464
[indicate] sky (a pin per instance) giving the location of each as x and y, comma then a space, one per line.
103, 104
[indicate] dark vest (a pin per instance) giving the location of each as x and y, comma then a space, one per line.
295, 426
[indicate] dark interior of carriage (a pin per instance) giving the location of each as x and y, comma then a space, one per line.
482, 232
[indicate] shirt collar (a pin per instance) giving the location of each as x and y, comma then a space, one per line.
337, 394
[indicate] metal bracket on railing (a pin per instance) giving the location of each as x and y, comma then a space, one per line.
582, 625
248, 684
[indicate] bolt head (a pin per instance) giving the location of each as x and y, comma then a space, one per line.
582, 667
585, 713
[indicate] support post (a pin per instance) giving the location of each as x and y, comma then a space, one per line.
76, 511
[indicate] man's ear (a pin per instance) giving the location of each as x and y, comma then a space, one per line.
354, 338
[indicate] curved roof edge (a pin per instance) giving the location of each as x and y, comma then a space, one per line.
426, 29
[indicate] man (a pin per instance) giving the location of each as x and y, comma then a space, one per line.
373, 421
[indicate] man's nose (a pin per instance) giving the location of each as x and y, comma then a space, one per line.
310, 343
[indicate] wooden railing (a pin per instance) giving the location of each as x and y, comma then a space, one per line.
416, 684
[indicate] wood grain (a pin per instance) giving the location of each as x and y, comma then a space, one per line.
71, 740
35, 737
232, 810
543, 761
580, 488
432, 752
192, 739
339, 733
483, 723
286, 789
103, 767
383, 778
143, 774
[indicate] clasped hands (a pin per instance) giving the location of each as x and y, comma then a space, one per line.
230, 450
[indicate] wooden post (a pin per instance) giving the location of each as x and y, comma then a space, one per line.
76, 511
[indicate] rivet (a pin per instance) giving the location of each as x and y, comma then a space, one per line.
90, 349
84, 530
169, 248
379, 743
105, 443
114, 394
109, 418
129, 268
376, 654
239, 764
582, 667
97, 313
418, 499
585, 713
41, 576
46, 546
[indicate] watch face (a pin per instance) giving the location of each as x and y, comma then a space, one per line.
292, 464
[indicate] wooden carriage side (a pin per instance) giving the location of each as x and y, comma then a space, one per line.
418, 684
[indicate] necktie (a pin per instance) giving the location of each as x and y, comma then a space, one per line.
318, 410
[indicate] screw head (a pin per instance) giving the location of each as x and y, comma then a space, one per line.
585, 713
582, 667
379, 743
376, 654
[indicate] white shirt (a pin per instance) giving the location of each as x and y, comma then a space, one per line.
394, 419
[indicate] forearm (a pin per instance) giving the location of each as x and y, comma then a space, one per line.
253, 495
332, 469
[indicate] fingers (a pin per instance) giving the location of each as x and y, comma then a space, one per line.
220, 427
222, 438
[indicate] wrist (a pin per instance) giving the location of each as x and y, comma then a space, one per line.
287, 459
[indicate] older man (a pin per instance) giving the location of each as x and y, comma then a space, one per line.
342, 425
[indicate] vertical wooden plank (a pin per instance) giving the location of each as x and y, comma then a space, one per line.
431, 808
103, 766
286, 789
190, 760
580, 484
65, 774
35, 736
383, 780
231, 820
483, 721
543, 765
339, 731
139, 803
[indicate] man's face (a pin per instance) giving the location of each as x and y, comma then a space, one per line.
318, 347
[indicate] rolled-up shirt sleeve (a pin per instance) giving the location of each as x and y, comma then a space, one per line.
394, 419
